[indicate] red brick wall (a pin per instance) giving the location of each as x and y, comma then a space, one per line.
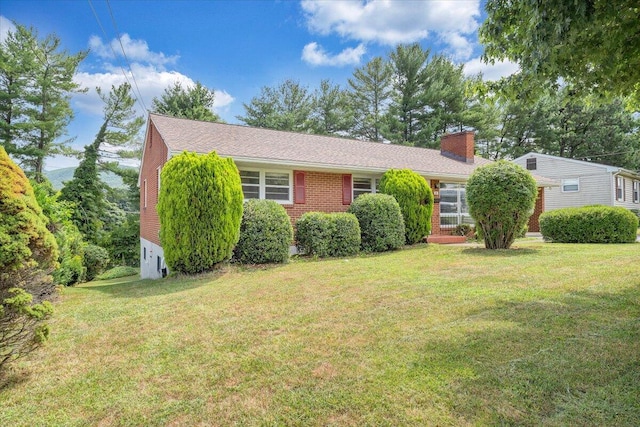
155, 154
534, 220
323, 193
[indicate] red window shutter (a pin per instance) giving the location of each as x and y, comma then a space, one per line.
299, 194
346, 189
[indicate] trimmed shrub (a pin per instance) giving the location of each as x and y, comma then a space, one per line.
345, 234
381, 222
415, 198
589, 224
265, 233
501, 198
200, 210
96, 259
313, 234
322, 234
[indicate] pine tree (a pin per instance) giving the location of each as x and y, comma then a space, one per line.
36, 83
369, 95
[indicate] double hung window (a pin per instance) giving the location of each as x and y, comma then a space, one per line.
270, 185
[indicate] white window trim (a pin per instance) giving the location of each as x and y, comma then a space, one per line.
145, 194
569, 181
636, 191
373, 187
262, 190
621, 188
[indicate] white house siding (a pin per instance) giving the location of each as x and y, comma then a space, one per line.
151, 257
628, 194
595, 181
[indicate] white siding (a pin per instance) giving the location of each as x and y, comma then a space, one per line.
596, 184
150, 253
628, 195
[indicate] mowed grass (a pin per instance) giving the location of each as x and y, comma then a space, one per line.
544, 334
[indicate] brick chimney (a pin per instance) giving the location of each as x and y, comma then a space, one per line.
458, 146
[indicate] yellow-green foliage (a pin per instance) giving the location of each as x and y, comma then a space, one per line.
24, 238
415, 199
28, 254
501, 199
200, 210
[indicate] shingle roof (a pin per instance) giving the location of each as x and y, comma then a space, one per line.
259, 145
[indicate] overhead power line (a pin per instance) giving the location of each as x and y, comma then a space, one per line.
137, 95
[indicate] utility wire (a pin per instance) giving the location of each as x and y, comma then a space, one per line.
124, 73
115, 26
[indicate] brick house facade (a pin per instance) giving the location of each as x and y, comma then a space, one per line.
303, 172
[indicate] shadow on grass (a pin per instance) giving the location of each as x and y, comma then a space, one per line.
570, 360
134, 287
513, 252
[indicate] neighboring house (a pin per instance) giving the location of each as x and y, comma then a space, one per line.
584, 183
303, 172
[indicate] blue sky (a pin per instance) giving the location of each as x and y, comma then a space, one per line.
237, 47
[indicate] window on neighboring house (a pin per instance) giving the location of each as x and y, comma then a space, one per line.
532, 164
620, 188
570, 185
364, 185
636, 191
144, 195
270, 185
453, 205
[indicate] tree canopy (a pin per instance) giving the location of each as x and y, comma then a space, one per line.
592, 44
36, 83
195, 102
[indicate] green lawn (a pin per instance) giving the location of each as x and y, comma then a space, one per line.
545, 334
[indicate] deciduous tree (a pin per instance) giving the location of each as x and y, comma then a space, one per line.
590, 44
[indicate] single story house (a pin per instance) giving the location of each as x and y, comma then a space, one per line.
583, 183
303, 172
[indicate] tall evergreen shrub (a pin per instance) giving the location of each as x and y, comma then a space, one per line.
501, 197
415, 198
200, 210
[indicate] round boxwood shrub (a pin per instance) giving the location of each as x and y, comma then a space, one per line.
200, 209
265, 233
589, 224
381, 223
415, 198
322, 234
501, 197
345, 234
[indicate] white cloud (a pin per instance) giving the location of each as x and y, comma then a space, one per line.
489, 71
135, 50
6, 26
151, 82
392, 22
314, 54
459, 47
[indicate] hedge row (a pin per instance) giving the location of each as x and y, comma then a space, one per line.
589, 224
